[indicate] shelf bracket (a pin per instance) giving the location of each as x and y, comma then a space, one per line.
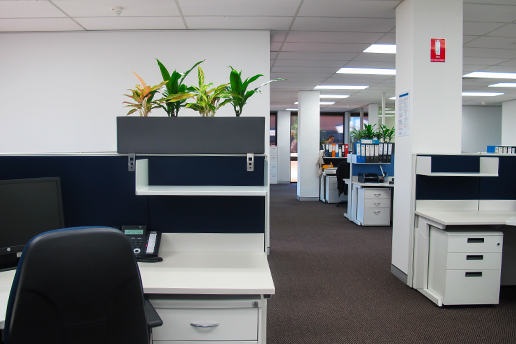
250, 162
131, 162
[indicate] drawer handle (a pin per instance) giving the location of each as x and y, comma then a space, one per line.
204, 325
473, 274
475, 240
377, 195
377, 212
475, 257
377, 204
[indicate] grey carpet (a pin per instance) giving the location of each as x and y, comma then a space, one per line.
333, 285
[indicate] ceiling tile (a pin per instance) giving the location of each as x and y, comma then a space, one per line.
349, 8
493, 43
29, 9
308, 63
327, 47
484, 52
483, 60
389, 38
376, 57
346, 24
333, 37
132, 23
489, 13
480, 28
367, 64
237, 23
508, 30
130, 8
308, 70
239, 8
39, 24
278, 36
317, 56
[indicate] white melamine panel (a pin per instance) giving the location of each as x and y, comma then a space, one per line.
475, 242
468, 261
377, 203
472, 287
221, 324
377, 193
509, 123
86, 75
497, 205
376, 217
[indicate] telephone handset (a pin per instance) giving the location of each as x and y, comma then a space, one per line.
145, 244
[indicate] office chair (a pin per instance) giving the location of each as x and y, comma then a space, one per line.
342, 173
77, 286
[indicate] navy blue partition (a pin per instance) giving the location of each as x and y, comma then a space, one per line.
99, 190
502, 187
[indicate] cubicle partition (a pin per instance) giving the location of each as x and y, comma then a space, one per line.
100, 190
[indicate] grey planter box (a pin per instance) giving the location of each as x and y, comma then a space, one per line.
190, 135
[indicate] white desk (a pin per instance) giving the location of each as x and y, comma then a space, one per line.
441, 219
205, 272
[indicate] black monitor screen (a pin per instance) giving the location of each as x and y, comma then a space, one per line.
28, 207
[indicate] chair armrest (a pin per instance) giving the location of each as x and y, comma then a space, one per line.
153, 318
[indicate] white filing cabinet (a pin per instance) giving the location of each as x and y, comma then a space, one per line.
374, 206
273, 164
328, 189
209, 320
464, 267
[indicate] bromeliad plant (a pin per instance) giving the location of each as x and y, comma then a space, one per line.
208, 101
238, 89
175, 92
143, 97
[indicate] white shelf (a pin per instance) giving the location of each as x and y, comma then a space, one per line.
201, 190
144, 189
488, 168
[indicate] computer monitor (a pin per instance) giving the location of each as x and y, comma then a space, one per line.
28, 207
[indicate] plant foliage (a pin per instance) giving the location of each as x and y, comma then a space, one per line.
238, 89
175, 92
208, 101
143, 97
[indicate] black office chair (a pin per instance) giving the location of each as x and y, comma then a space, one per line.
78, 286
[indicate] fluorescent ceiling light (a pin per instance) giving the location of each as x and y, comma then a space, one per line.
381, 49
339, 87
334, 96
504, 84
375, 71
393, 98
290, 109
321, 103
491, 75
481, 94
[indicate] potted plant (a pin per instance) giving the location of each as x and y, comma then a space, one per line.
143, 97
174, 90
386, 133
238, 89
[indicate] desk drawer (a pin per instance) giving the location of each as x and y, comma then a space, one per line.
474, 261
377, 217
472, 287
475, 242
213, 324
377, 193
377, 203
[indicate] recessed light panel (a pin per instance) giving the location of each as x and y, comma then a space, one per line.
334, 96
381, 49
504, 84
490, 75
481, 94
339, 87
370, 71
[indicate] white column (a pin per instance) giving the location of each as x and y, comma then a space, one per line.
283, 142
373, 114
435, 104
509, 123
309, 124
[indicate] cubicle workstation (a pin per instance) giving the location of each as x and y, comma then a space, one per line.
370, 200
213, 215
463, 249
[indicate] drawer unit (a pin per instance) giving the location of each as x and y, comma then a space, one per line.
207, 321
374, 206
465, 267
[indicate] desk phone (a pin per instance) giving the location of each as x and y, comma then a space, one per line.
145, 244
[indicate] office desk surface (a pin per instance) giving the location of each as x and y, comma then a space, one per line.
235, 273
467, 217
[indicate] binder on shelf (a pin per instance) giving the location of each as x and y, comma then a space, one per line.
362, 153
390, 150
376, 153
380, 153
346, 150
333, 150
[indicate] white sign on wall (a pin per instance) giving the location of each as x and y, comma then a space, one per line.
403, 114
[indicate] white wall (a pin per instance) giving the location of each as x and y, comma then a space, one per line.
62, 92
481, 127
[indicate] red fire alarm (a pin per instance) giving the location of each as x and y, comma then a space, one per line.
438, 50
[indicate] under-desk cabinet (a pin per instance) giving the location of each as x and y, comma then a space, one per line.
374, 206
465, 266
235, 320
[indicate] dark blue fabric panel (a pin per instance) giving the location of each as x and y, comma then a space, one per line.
446, 188
97, 190
374, 168
455, 163
208, 214
205, 170
502, 187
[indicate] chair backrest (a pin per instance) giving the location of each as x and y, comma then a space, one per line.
75, 286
